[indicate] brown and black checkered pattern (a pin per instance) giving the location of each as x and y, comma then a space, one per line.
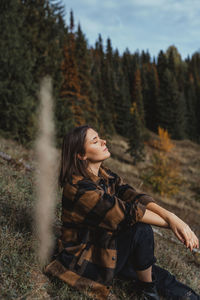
94, 210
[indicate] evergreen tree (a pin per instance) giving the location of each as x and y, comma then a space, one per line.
145, 57
45, 32
108, 79
16, 82
136, 136
109, 52
137, 95
177, 67
191, 104
99, 72
162, 64
174, 59
84, 62
171, 106
150, 84
129, 65
195, 67
122, 101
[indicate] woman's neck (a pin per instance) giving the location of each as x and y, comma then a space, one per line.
94, 168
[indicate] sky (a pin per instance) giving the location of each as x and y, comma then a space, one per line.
151, 25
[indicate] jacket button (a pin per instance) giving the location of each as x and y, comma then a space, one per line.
113, 258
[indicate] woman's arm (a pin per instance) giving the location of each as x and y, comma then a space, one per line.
152, 218
181, 230
161, 216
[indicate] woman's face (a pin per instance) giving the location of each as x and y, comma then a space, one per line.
95, 147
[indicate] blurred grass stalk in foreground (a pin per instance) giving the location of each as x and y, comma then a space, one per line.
45, 175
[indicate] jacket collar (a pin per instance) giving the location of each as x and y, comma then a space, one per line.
102, 174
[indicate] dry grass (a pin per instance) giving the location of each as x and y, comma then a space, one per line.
20, 274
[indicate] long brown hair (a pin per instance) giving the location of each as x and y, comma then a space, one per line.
73, 143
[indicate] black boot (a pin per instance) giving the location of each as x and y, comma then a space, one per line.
170, 288
147, 290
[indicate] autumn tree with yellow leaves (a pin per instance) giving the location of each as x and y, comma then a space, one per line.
163, 173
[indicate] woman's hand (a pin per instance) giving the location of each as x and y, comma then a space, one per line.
183, 232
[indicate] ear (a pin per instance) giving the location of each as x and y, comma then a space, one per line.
81, 157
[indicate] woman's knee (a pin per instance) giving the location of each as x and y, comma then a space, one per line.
143, 228
142, 231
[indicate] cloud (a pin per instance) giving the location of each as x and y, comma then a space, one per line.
146, 24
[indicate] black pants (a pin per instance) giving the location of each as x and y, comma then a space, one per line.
136, 252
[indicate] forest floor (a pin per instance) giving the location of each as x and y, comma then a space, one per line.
21, 276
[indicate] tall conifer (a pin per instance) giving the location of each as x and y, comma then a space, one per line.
137, 95
84, 64
122, 100
16, 82
162, 64
150, 84
171, 106
99, 73
191, 104
136, 135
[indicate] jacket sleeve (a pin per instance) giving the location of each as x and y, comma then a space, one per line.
90, 205
128, 193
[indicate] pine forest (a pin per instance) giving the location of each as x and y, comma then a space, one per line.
127, 94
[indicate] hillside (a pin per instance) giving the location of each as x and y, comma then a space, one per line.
21, 277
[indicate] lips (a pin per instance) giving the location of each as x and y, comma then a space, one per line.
106, 149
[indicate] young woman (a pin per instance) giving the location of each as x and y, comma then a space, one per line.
106, 229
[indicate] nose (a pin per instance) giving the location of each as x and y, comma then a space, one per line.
103, 142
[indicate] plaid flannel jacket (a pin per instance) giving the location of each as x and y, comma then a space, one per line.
94, 210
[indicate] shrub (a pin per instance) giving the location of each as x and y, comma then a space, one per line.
162, 175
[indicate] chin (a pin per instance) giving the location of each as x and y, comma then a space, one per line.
107, 155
